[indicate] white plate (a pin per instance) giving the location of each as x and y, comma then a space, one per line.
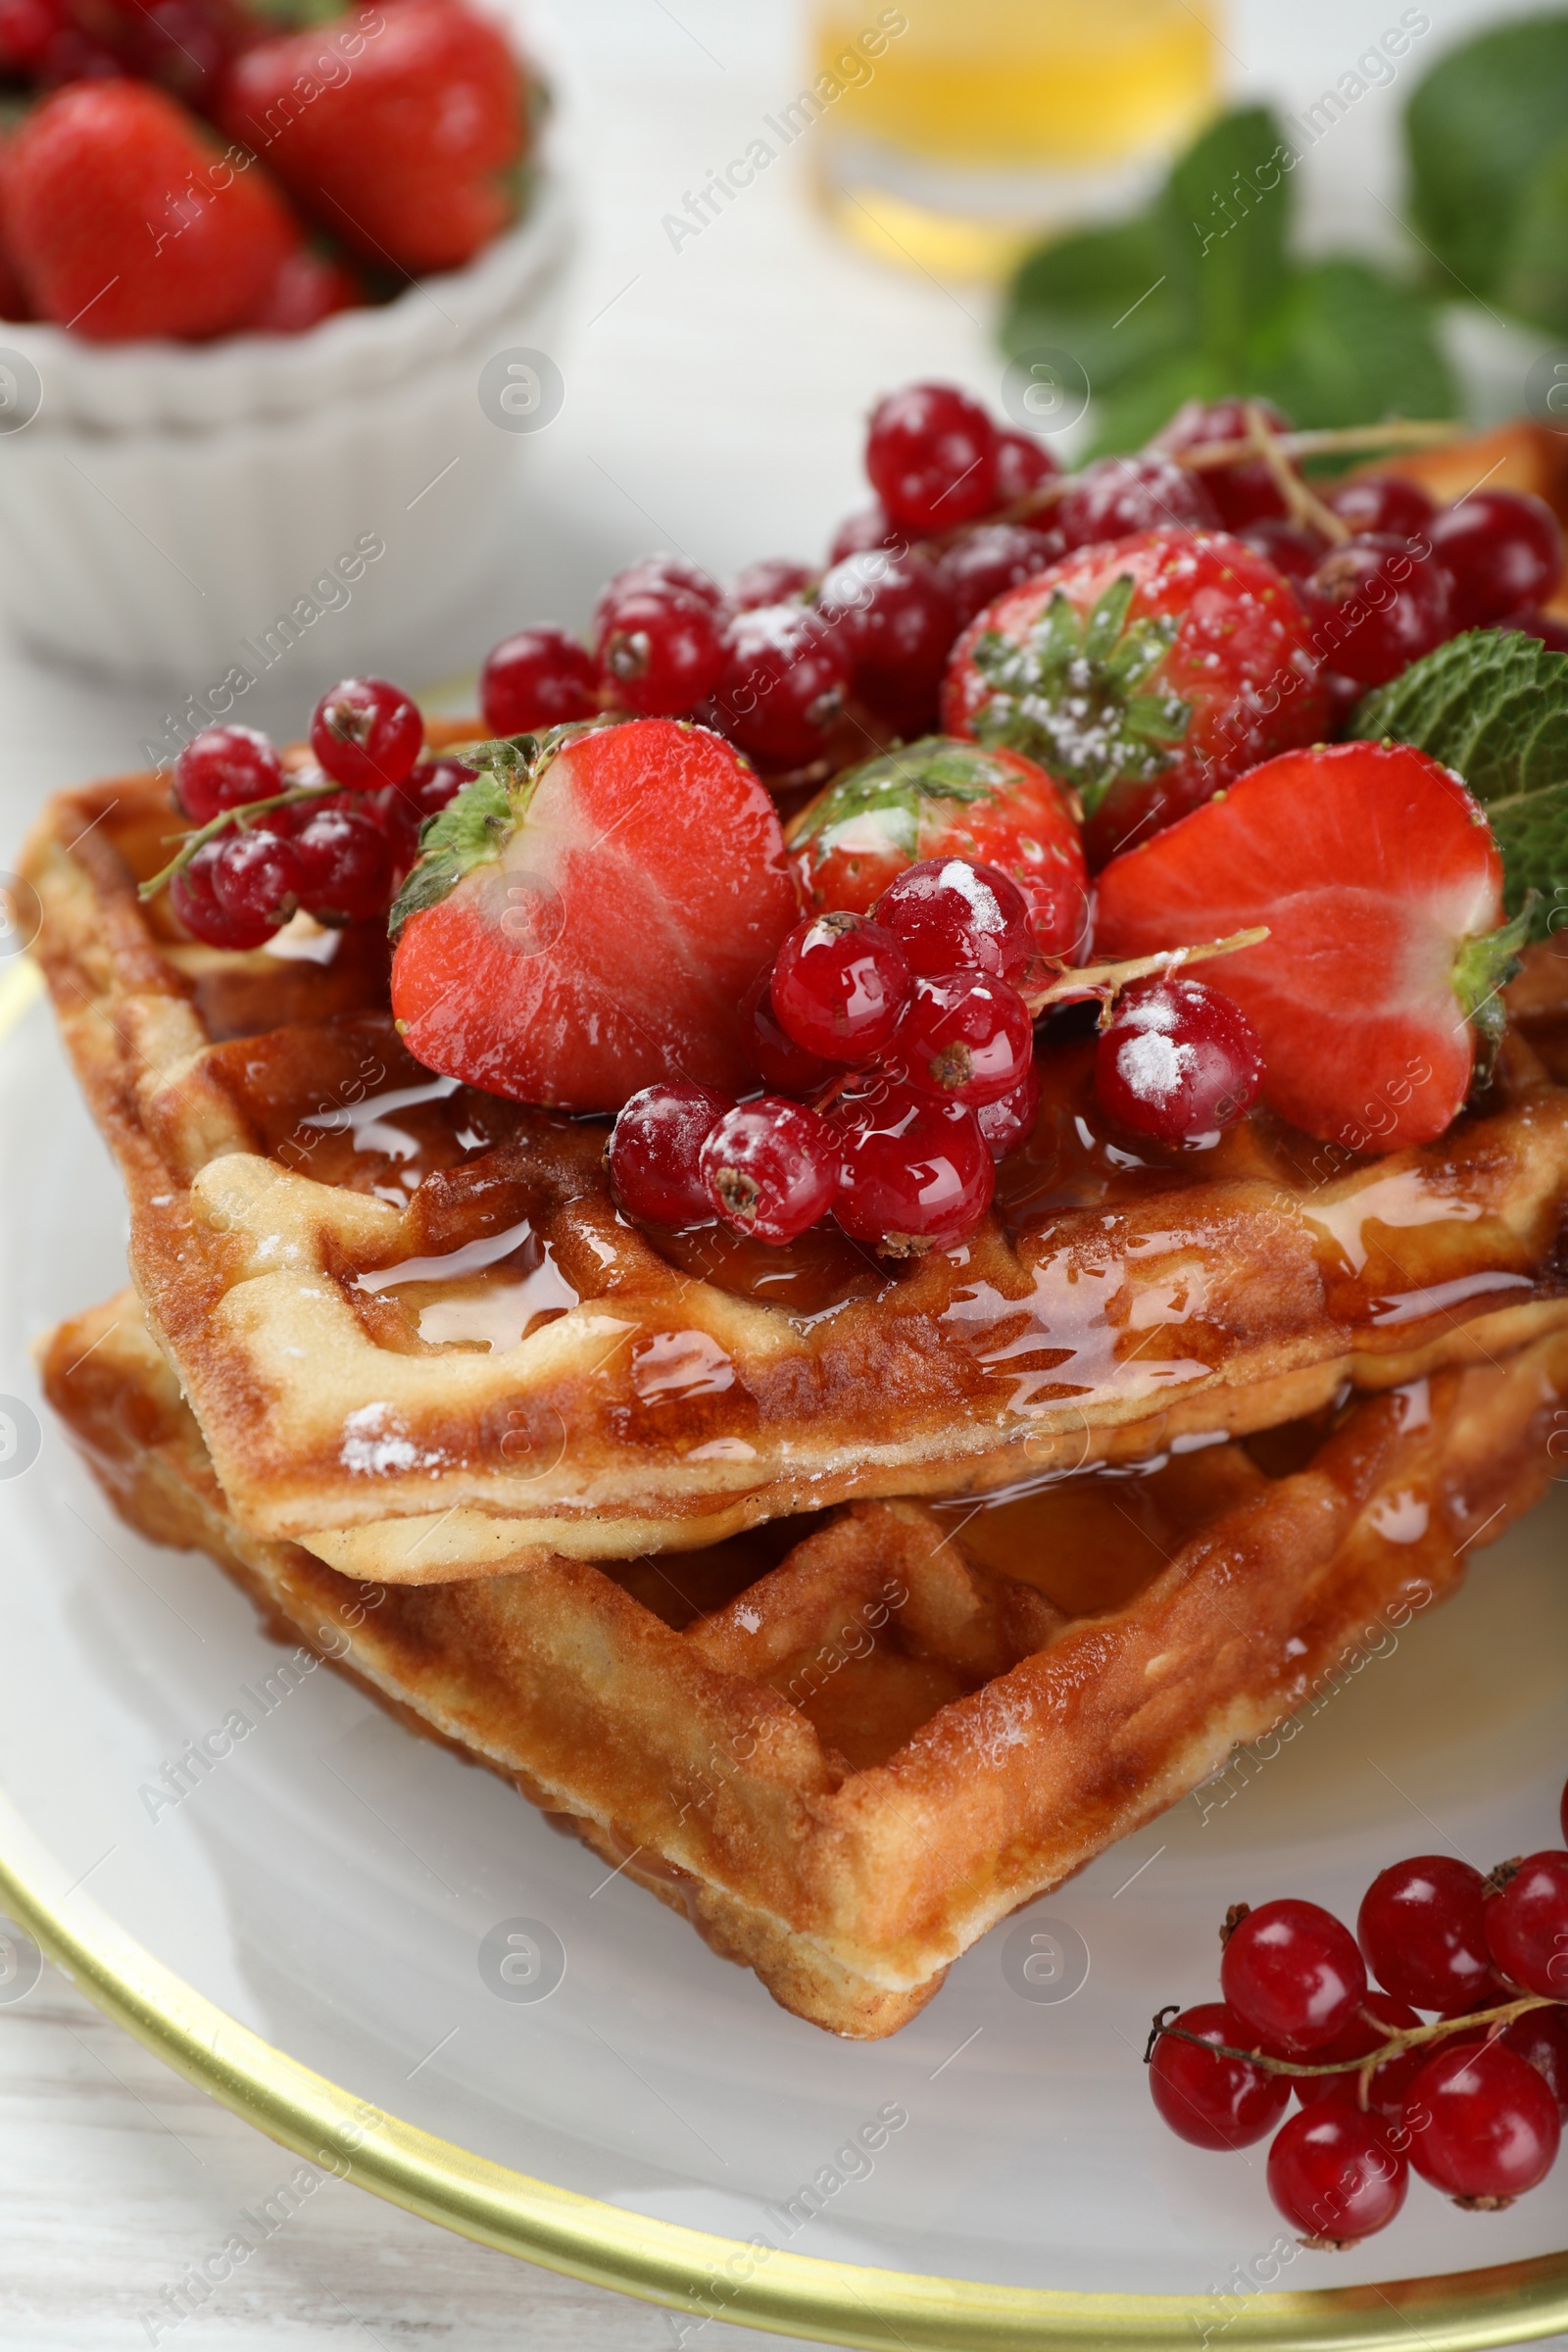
346, 1891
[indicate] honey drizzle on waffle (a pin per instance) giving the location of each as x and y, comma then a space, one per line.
285, 1157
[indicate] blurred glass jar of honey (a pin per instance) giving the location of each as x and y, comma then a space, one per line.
962, 129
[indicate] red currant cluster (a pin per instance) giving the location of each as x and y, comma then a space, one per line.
1474, 2100
907, 1030
267, 844
1385, 573
772, 662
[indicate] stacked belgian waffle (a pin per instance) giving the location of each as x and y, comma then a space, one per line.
824, 1598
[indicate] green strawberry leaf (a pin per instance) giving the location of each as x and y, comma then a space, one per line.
1476, 128
1069, 696
892, 788
1494, 707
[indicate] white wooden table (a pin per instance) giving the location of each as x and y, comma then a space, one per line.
713, 404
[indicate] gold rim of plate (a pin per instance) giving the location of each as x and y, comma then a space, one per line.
687, 2269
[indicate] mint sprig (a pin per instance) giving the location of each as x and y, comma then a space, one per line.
1494, 707
1201, 296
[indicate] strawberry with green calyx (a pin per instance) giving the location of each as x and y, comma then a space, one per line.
942, 798
1145, 672
587, 915
1375, 991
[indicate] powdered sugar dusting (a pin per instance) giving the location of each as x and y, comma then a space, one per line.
980, 899
1152, 1066
371, 1449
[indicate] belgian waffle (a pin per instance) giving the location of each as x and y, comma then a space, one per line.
419, 1340
847, 1745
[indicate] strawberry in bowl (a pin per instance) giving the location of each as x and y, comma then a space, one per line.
220, 277
1145, 672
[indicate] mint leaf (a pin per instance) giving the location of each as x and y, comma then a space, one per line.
1476, 127
1227, 222
1099, 296
1349, 345
1534, 276
1494, 707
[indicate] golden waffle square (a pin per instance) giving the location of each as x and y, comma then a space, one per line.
419, 1340
847, 1747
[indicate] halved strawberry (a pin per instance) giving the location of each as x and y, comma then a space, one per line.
1145, 672
1382, 887
588, 913
940, 798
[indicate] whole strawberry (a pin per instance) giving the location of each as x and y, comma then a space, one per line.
1146, 672
124, 220
408, 155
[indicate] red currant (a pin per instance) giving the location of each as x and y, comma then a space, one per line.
1382, 502
1142, 493
367, 732
658, 574
931, 454
950, 914
1540, 2038
195, 902
1022, 464
256, 879
917, 1174
659, 651
222, 767
1177, 1060
773, 580
654, 1151
1244, 491
1364, 2033
345, 866
840, 986
536, 680
1552, 632
1421, 1927
1527, 1925
1377, 605
784, 1068
1482, 2124
897, 623
1293, 1971
771, 1168
867, 527
985, 563
27, 29
1293, 547
1503, 548
783, 684
966, 1037
1012, 1121
1335, 2173
1211, 2101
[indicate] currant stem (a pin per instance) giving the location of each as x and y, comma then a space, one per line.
1304, 503
1399, 2038
1399, 432
227, 819
1109, 979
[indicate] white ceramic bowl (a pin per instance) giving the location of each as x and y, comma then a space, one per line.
173, 512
